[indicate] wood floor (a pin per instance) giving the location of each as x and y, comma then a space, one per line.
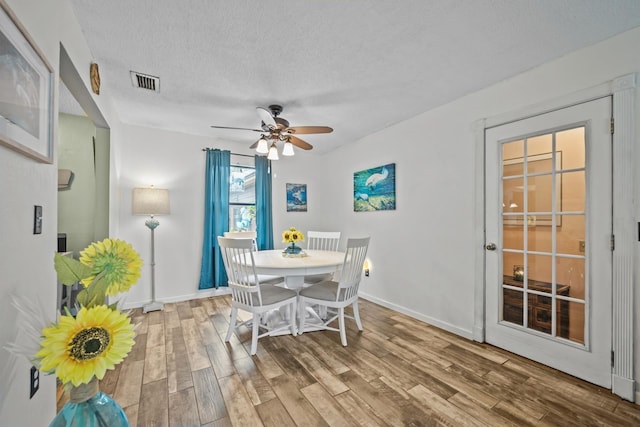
398, 372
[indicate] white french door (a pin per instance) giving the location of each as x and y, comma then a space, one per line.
548, 233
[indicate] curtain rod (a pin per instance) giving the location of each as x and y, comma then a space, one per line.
233, 154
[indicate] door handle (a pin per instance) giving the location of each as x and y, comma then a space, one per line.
490, 246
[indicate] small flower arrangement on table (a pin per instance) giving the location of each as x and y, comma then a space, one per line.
292, 236
79, 349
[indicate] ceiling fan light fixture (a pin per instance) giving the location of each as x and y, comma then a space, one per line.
287, 150
263, 146
273, 152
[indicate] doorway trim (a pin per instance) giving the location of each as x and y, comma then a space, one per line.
623, 91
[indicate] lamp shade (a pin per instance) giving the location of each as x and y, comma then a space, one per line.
150, 201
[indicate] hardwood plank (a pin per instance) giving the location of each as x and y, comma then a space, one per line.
211, 405
171, 319
326, 406
274, 414
132, 414
255, 383
207, 332
475, 393
299, 408
137, 353
322, 374
155, 364
155, 335
219, 358
181, 413
196, 352
238, 403
184, 310
108, 382
267, 365
441, 409
290, 365
359, 410
178, 369
154, 404
327, 357
384, 408
482, 413
199, 314
128, 391
155, 317
398, 371
519, 413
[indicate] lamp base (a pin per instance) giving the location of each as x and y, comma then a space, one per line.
152, 306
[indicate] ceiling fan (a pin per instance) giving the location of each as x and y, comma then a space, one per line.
275, 128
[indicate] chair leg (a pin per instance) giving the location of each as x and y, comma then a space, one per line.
232, 323
255, 333
301, 314
356, 314
292, 317
343, 332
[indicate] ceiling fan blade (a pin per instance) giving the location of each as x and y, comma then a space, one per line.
254, 145
300, 143
266, 117
309, 129
227, 127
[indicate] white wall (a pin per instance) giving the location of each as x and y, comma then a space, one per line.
422, 254
26, 260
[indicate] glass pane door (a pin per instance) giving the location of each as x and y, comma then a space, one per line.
543, 231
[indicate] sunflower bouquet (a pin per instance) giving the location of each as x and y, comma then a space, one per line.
292, 236
79, 348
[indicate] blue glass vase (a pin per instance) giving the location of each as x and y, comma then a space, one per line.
89, 407
293, 249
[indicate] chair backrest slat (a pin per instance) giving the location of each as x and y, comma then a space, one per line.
351, 272
323, 240
237, 255
243, 235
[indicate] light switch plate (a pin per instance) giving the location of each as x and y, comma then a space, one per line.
37, 219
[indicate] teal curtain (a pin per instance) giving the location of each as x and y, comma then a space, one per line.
264, 218
216, 218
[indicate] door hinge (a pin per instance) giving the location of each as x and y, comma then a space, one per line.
613, 242
613, 358
612, 125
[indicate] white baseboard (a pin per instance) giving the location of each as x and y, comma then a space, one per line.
205, 293
624, 387
419, 316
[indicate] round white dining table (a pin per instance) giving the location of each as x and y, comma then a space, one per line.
294, 268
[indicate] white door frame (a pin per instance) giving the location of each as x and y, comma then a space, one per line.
623, 90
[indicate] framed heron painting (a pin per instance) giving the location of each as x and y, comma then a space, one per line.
375, 189
296, 197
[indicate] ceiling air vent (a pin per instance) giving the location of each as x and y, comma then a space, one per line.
145, 81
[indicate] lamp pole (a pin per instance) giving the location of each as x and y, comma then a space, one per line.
153, 305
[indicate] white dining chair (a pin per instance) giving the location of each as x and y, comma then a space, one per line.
321, 241
337, 295
264, 278
248, 294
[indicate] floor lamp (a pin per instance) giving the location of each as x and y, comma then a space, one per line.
151, 201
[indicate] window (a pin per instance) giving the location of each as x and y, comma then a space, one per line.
242, 198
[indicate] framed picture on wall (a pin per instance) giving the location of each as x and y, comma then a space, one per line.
296, 197
374, 189
26, 92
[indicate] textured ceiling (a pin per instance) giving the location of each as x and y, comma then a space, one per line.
357, 66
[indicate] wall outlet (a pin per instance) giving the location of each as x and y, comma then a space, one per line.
35, 381
581, 246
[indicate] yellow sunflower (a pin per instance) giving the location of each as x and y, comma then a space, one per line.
118, 260
77, 349
292, 235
